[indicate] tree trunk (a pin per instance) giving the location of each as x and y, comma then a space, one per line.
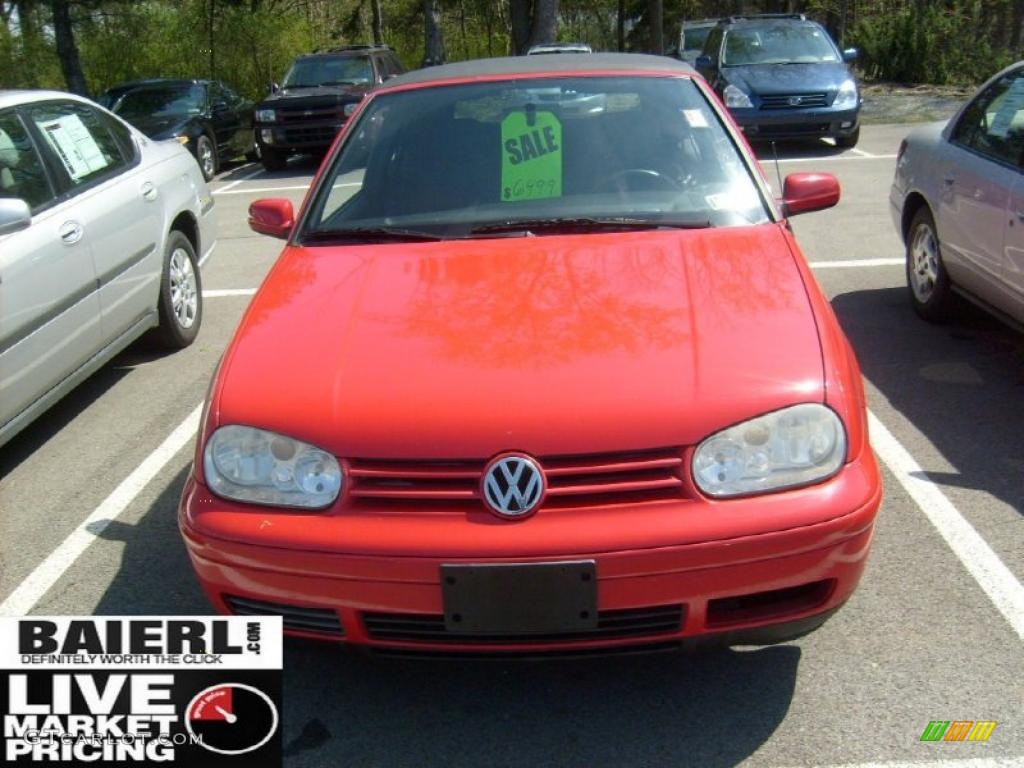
378, 23
545, 22
620, 26
655, 18
433, 49
67, 51
1016, 28
521, 12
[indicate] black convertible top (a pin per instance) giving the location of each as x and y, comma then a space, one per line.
541, 65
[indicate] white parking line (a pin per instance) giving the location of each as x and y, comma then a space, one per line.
219, 293
248, 191
236, 182
205, 256
854, 263
861, 152
1001, 586
25, 596
826, 159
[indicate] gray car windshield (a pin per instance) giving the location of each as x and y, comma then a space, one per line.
778, 44
544, 155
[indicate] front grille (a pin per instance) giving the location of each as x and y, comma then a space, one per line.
307, 115
302, 619
322, 134
573, 481
611, 625
785, 100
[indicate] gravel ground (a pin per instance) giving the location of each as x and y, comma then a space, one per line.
894, 103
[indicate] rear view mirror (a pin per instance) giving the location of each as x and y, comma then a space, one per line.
15, 215
272, 216
805, 192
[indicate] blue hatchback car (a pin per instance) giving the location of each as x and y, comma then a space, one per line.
782, 77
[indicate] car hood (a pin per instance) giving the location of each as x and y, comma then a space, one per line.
823, 77
161, 127
308, 97
551, 345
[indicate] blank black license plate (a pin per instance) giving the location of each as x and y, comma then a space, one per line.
520, 599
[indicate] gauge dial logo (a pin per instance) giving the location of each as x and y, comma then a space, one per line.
231, 718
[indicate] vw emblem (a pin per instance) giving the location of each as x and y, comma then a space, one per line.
794, 101
513, 486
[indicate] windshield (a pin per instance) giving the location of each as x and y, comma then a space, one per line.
165, 101
326, 70
611, 152
694, 37
778, 44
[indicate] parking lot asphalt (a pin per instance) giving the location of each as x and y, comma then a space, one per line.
936, 631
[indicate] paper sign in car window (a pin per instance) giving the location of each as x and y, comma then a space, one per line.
74, 145
1012, 103
531, 156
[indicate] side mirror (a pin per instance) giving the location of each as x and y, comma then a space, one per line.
805, 192
273, 87
703, 62
220, 107
850, 55
272, 216
15, 215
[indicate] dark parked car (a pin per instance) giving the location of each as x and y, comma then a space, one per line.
317, 96
692, 36
782, 77
209, 118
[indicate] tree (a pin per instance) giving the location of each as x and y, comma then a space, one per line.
67, 50
533, 22
655, 18
433, 49
378, 24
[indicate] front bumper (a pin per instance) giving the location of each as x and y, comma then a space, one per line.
796, 123
744, 589
298, 136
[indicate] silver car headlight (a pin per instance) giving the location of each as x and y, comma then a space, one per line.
734, 97
265, 115
847, 96
249, 464
796, 446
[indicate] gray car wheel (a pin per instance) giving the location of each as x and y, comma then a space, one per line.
927, 282
181, 294
206, 156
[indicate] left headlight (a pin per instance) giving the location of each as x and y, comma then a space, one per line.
255, 465
265, 115
734, 97
349, 108
796, 446
847, 95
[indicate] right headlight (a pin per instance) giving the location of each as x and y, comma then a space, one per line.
847, 95
266, 115
255, 465
734, 97
796, 446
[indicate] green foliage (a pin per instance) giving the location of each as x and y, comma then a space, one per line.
932, 44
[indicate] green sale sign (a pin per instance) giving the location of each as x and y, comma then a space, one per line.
531, 166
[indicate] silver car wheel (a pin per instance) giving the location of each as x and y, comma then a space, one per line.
184, 296
204, 151
924, 263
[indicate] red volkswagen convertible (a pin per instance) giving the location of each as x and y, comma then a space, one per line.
541, 368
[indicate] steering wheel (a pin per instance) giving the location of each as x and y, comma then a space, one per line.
648, 179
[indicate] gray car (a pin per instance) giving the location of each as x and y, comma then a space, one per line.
957, 199
101, 231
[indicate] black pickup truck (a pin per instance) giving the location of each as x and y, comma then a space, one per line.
317, 96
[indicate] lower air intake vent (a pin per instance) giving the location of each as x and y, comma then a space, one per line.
611, 625
295, 617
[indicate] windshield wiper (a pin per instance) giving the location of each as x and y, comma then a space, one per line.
370, 235
586, 224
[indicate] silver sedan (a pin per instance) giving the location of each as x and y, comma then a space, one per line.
101, 232
958, 201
